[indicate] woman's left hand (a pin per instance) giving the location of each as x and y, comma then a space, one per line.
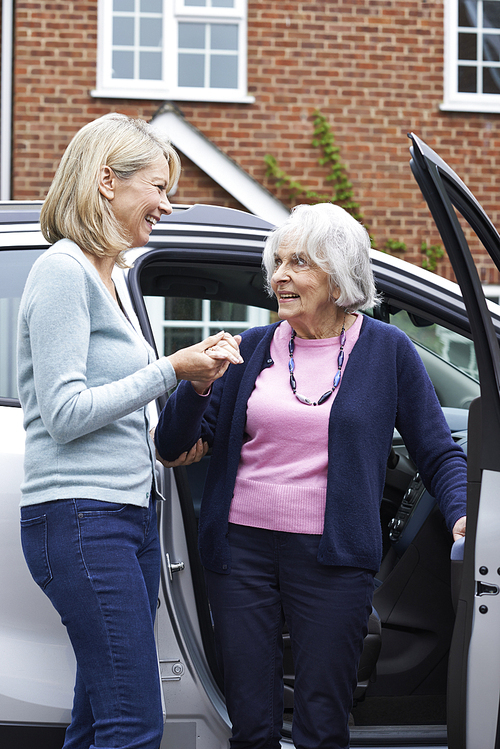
459, 528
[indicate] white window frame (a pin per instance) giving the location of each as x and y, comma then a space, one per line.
455, 101
174, 12
155, 306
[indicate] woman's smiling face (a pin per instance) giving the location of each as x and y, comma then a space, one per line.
303, 293
139, 202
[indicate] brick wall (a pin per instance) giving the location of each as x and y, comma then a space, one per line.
373, 67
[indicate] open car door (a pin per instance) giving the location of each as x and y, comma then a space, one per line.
474, 665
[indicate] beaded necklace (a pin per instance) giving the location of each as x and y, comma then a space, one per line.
336, 379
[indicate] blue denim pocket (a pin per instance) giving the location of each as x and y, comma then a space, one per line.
93, 507
34, 543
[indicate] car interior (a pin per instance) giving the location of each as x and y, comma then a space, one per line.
403, 671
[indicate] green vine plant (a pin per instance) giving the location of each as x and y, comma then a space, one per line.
341, 188
342, 192
394, 245
432, 253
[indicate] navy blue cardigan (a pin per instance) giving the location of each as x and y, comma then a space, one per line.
384, 385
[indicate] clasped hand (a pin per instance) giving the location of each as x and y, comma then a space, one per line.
202, 364
206, 361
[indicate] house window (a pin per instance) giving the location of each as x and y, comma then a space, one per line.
178, 322
472, 56
173, 49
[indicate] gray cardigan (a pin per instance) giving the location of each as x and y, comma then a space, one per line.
85, 377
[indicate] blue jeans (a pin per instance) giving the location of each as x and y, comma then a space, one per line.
275, 577
99, 564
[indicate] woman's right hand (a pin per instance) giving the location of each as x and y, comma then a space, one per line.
206, 361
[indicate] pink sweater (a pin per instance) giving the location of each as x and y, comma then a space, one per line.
282, 474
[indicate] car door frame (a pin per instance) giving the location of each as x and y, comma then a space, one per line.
474, 665
183, 250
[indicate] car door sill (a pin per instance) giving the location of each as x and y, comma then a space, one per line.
387, 736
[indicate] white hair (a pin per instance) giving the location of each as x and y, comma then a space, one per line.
334, 241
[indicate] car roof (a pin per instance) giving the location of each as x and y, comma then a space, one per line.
216, 228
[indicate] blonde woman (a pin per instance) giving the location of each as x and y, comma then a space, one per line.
86, 375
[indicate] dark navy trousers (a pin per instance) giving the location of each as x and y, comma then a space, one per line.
275, 577
99, 564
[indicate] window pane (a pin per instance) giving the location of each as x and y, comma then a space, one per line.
448, 345
467, 13
191, 70
467, 80
467, 47
224, 36
123, 31
123, 5
123, 64
197, 3
223, 71
491, 81
192, 35
491, 14
228, 311
150, 32
151, 6
177, 338
150, 66
223, 3
178, 308
491, 47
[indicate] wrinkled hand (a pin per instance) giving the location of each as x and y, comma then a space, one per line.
227, 347
206, 361
459, 528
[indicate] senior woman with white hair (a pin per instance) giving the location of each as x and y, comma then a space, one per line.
300, 436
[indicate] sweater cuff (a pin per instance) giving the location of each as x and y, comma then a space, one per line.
168, 372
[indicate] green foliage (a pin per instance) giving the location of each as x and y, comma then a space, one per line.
432, 253
342, 192
341, 188
394, 245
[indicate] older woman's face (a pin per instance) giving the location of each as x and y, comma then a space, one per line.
139, 202
303, 293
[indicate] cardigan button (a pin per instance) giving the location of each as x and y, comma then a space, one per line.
224, 566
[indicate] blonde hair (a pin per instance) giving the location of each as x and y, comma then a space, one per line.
334, 241
74, 207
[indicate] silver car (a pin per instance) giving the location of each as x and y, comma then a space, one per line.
430, 670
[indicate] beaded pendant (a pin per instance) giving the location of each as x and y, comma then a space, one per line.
336, 379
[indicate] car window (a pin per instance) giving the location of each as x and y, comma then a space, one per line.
14, 268
450, 346
448, 356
